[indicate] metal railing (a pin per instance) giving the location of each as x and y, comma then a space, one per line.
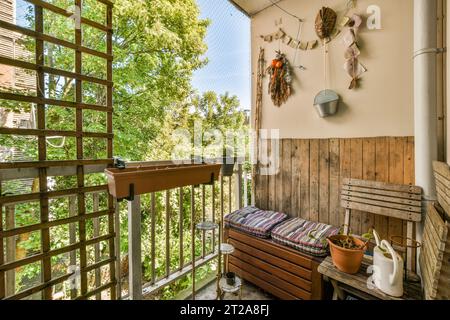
225, 195
205, 203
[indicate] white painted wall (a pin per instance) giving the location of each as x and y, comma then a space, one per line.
383, 106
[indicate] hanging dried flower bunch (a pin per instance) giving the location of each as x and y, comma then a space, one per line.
352, 65
280, 79
325, 23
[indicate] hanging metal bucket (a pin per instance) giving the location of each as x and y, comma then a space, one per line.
326, 103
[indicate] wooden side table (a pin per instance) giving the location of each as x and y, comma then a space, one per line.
357, 284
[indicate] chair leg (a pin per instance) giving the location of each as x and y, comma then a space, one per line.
338, 294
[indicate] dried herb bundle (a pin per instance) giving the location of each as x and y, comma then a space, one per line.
280, 79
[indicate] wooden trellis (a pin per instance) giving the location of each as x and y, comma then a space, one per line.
79, 167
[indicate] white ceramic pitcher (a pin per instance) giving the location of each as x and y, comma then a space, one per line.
388, 268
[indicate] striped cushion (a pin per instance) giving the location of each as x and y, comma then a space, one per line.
254, 221
305, 236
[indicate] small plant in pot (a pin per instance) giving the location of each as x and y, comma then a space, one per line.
347, 251
230, 278
228, 162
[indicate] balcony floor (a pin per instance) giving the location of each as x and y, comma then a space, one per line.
249, 292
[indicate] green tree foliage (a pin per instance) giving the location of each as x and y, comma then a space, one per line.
157, 45
208, 114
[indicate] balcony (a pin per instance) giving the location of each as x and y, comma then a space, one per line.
368, 157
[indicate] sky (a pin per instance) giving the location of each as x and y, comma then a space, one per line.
228, 41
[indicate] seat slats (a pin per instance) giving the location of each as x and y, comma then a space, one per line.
384, 211
391, 200
387, 203
394, 194
383, 186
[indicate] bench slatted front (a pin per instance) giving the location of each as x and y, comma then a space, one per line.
279, 270
390, 200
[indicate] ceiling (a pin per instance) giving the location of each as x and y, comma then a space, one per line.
252, 7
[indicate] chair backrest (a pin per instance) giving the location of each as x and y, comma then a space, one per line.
391, 200
442, 179
435, 253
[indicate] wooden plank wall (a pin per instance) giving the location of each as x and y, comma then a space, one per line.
308, 181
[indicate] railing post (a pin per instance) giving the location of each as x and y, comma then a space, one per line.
10, 250
134, 249
96, 224
153, 236
167, 233
238, 188
117, 248
73, 239
245, 189
193, 240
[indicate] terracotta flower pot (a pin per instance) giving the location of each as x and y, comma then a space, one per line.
346, 260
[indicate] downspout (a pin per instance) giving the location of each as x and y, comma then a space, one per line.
425, 101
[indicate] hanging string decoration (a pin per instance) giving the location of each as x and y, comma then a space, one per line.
280, 79
292, 42
352, 65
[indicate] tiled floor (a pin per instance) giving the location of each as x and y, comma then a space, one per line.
249, 292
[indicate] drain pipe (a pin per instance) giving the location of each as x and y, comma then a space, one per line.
425, 101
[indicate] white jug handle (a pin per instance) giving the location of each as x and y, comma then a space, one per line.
392, 277
377, 237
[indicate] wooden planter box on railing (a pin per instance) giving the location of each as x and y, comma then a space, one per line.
126, 183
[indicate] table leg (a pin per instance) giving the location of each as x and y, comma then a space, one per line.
338, 293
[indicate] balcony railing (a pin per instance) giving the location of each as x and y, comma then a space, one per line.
139, 220
181, 255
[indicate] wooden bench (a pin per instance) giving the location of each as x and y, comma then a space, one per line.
279, 270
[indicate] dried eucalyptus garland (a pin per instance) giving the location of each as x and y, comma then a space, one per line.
280, 79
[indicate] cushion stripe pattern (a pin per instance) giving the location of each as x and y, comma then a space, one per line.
306, 236
254, 221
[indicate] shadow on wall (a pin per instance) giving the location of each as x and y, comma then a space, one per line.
342, 114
